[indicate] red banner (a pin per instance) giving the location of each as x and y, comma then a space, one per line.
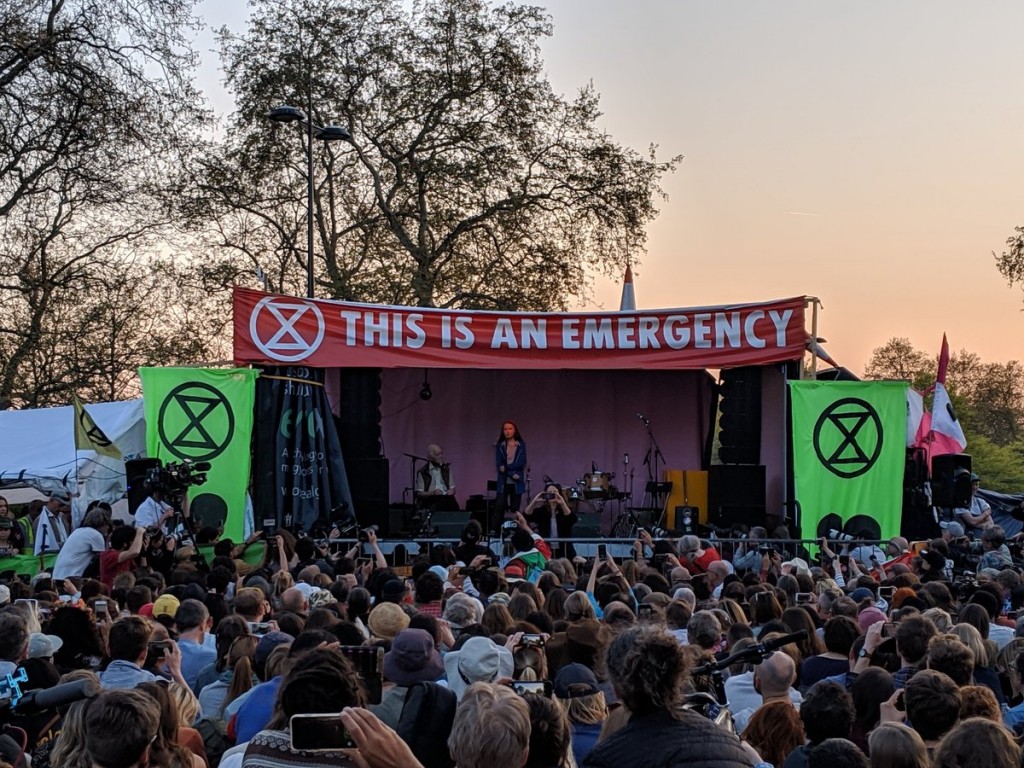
336, 334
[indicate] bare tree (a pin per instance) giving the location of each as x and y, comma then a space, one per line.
468, 182
97, 112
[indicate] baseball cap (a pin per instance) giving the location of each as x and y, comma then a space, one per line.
166, 605
975, 478
6, 522
956, 530
269, 642
575, 680
42, 646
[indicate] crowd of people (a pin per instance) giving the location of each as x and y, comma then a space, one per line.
906, 655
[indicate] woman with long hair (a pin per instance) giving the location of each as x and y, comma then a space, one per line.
497, 620
165, 751
69, 749
510, 463
82, 648
797, 619
894, 745
775, 730
872, 687
235, 679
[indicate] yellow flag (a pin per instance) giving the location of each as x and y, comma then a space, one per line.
89, 437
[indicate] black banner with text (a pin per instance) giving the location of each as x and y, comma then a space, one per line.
298, 473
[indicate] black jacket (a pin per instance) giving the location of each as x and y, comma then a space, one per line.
663, 741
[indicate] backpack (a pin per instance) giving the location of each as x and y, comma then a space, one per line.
214, 732
426, 721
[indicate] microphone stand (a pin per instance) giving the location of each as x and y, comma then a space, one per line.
412, 477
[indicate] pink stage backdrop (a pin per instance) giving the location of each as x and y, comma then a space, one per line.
567, 418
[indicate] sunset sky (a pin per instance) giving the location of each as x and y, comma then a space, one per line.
866, 153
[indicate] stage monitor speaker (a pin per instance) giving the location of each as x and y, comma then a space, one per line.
449, 525
135, 474
736, 495
951, 480
483, 510
588, 527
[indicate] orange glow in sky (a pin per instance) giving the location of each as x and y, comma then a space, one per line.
866, 153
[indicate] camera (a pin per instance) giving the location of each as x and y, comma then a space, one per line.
836, 535
364, 533
175, 478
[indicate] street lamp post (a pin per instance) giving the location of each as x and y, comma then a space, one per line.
286, 114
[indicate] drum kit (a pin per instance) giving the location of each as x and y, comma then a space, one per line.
592, 491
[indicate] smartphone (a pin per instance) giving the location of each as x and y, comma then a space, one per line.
888, 629
259, 628
602, 552
160, 647
886, 593
805, 597
533, 688
319, 733
532, 641
901, 703
100, 607
844, 559
660, 560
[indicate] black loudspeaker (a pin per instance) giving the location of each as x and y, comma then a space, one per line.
449, 524
951, 480
483, 510
587, 527
135, 474
359, 413
368, 480
736, 495
740, 416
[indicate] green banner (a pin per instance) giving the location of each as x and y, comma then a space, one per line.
849, 451
199, 414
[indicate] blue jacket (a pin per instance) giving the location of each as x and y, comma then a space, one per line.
517, 467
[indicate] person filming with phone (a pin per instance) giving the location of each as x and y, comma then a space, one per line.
550, 515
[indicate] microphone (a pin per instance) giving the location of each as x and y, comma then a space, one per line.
643, 418
625, 459
42, 699
778, 642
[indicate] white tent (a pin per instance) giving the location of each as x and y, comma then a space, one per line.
37, 450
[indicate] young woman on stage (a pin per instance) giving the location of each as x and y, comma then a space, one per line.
510, 461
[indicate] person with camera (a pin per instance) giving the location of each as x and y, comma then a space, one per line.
746, 556
128, 644
126, 544
154, 511
549, 515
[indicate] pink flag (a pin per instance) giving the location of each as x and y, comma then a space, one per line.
946, 435
628, 301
